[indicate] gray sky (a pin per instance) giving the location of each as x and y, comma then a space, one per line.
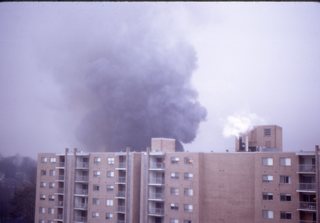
258, 61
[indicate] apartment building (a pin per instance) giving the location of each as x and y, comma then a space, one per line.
164, 186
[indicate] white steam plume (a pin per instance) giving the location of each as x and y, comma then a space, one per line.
241, 123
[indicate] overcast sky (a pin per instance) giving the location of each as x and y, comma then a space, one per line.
251, 60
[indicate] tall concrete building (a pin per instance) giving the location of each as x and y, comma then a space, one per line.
164, 186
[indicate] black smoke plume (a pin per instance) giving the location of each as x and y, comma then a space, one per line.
131, 77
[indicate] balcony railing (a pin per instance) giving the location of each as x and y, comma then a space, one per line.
121, 194
156, 165
121, 208
156, 180
120, 221
122, 165
307, 186
82, 192
60, 164
310, 168
82, 165
59, 203
306, 221
59, 216
156, 211
80, 219
156, 196
60, 190
121, 179
80, 205
82, 178
311, 206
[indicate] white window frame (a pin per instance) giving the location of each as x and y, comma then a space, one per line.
267, 196
267, 161
188, 175
188, 207
95, 214
96, 173
285, 196
175, 159
188, 192
110, 174
109, 215
110, 160
109, 202
174, 206
267, 214
174, 175
284, 179
267, 178
285, 161
97, 159
174, 191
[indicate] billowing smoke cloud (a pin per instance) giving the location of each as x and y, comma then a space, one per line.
239, 123
127, 75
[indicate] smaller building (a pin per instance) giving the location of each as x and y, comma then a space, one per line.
260, 138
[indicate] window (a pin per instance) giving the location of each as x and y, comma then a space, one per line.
266, 214
188, 192
285, 161
267, 161
174, 220
52, 184
95, 214
285, 179
96, 173
187, 221
109, 215
267, 178
188, 176
43, 184
44, 159
174, 191
110, 174
51, 210
43, 172
96, 187
52, 173
188, 207
188, 160
42, 197
42, 221
285, 215
95, 201
110, 160
42, 210
53, 160
97, 159
174, 206
267, 132
175, 175
267, 196
285, 197
109, 202
110, 188
175, 159
50, 221
51, 197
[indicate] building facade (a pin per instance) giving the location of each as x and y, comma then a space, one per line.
164, 186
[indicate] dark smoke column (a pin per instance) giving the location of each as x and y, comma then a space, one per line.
141, 93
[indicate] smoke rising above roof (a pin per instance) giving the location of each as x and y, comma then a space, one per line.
128, 77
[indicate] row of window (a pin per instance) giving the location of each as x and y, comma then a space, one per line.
43, 221
174, 220
268, 161
50, 197
97, 173
110, 160
283, 179
187, 191
176, 160
186, 207
186, 175
48, 159
42, 210
267, 214
269, 196
44, 184
50, 172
